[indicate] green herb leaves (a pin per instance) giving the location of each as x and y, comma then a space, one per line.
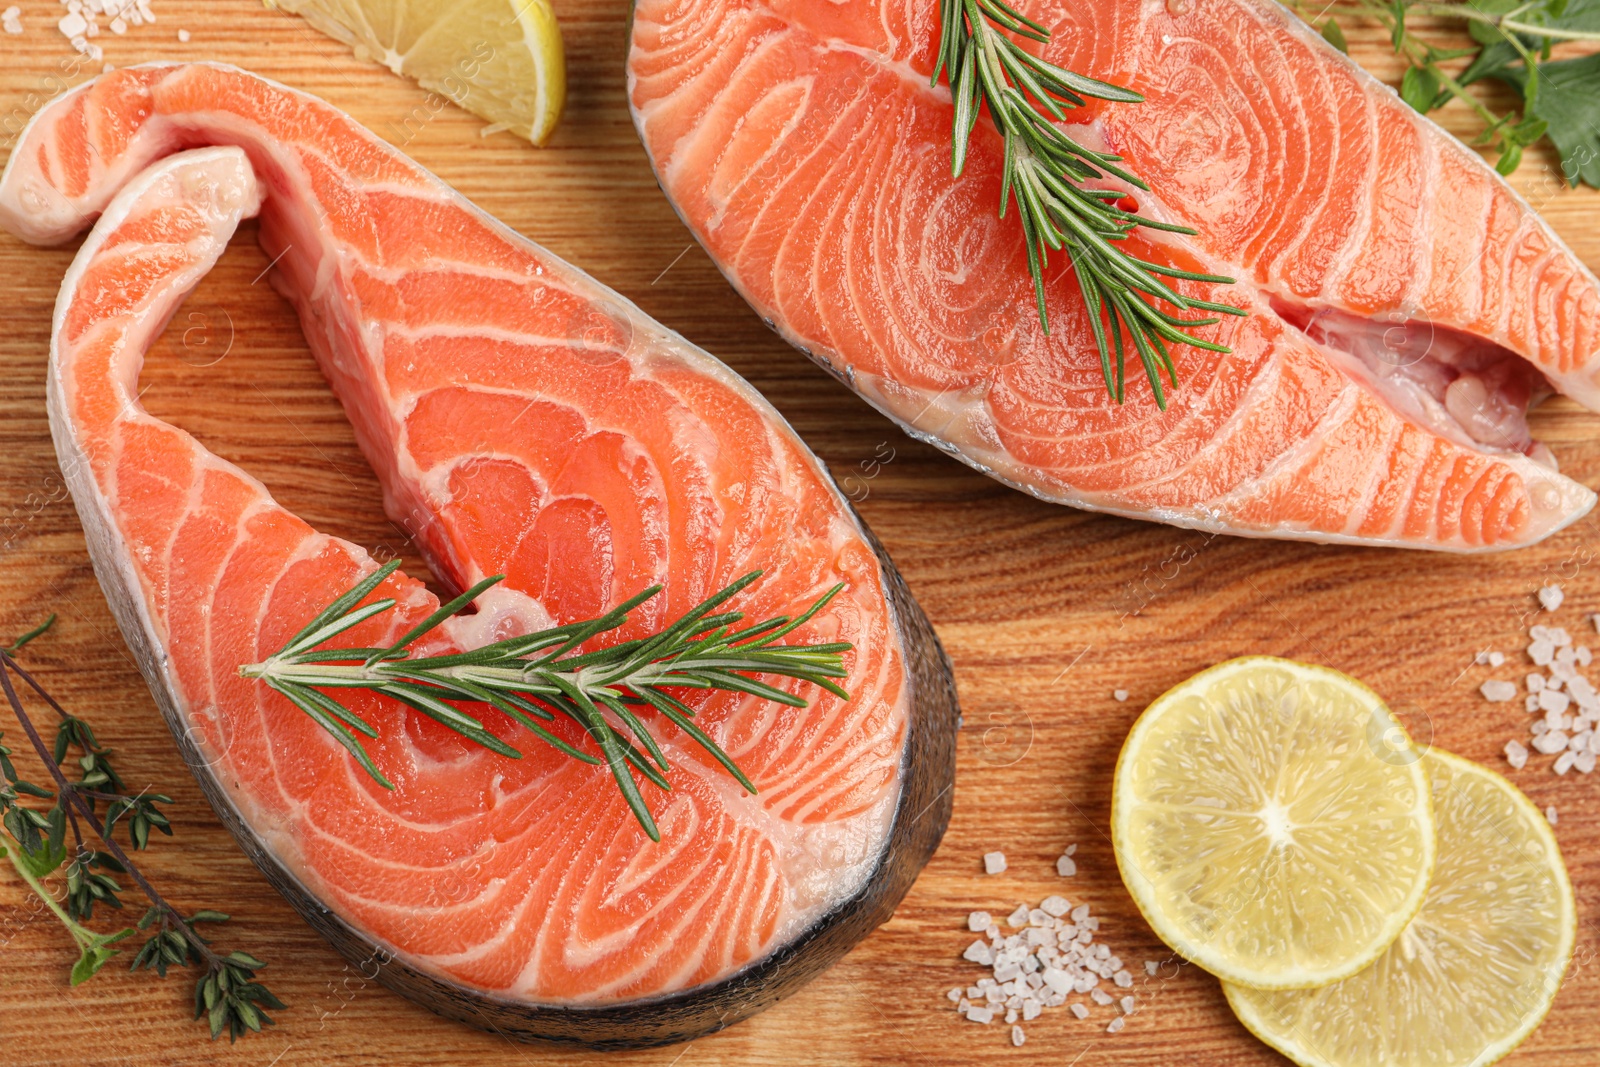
1044, 174
226, 993
1513, 38
534, 678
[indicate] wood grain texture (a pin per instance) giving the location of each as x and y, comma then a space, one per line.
1044, 611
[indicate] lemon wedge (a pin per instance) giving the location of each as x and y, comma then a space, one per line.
1273, 823
499, 59
1473, 973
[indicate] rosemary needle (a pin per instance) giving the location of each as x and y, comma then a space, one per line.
1044, 172
537, 676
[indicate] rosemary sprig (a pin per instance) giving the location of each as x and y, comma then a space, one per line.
1045, 171
535, 677
226, 992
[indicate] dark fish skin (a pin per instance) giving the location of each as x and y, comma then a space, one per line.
921, 816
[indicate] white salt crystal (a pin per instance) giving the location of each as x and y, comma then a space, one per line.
1551, 597
1058, 981
1066, 867
979, 921
1585, 761
980, 953
1536, 682
1583, 692
1100, 996
1553, 700
980, 1015
1126, 1004
1565, 761
72, 25
1018, 917
1532, 702
1583, 655
1054, 905
1116, 1025
1119, 695
183, 36
1516, 755
1151, 967
1017, 1036
1550, 814
1497, 659
994, 862
1031, 1010
1542, 651
1080, 1011
1123, 979
1497, 692
1550, 742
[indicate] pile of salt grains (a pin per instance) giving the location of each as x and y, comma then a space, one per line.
1051, 958
80, 21
1564, 698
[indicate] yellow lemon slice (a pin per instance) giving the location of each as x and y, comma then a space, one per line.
1273, 822
1473, 973
500, 59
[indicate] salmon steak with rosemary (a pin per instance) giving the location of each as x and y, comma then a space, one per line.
595, 806
1343, 314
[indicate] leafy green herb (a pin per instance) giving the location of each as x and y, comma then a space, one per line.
1044, 173
1335, 36
538, 676
1513, 41
226, 993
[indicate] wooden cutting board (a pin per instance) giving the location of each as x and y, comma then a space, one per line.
1045, 611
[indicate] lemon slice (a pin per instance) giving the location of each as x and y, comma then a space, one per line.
1273, 822
1475, 971
500, 59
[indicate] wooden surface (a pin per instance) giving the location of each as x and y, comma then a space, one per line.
1045, 611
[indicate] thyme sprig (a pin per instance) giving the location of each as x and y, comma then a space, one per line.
536, 677
1044, 173
226, 992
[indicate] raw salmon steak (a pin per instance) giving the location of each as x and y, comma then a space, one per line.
1405, 306
523, 420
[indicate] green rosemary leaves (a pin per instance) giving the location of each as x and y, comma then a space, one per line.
1044, 173
536, 677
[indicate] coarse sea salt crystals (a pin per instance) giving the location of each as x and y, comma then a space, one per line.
11, 19
994, 863
1050, 961
81, 22
1066, 866
1565, 701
